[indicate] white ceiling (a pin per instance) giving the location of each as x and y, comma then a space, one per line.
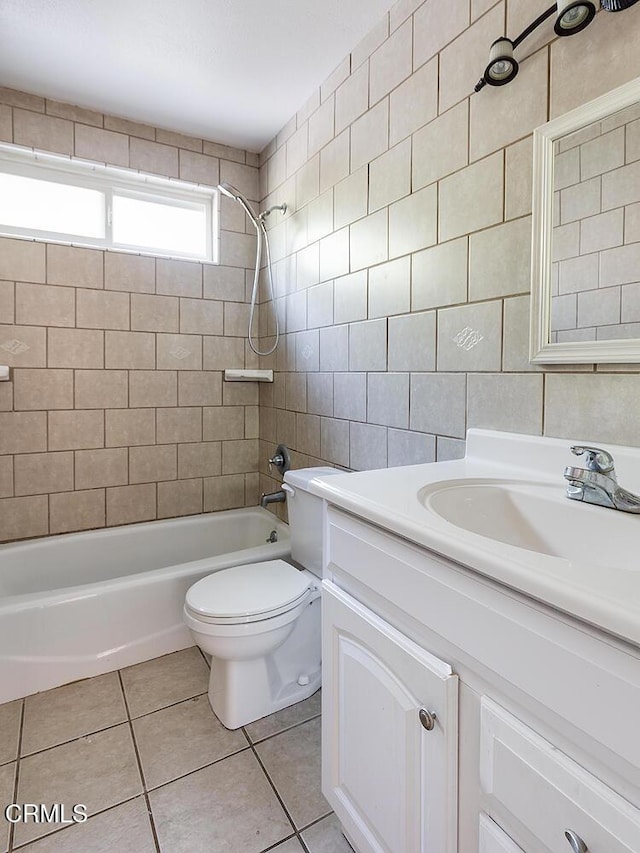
230, 70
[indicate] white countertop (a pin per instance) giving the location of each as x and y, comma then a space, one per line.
603, 595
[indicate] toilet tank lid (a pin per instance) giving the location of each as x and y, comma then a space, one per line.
303, 476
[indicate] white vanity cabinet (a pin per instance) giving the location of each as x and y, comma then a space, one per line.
538, 712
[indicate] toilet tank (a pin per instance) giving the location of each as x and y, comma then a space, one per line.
305, 517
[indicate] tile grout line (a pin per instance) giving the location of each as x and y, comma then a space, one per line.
145, 792
63, 828
198, 769
284, 841
298, 831
17, 777
282, 731
277, 844
203, 654
316, 821
139, 763
73, 739
275, 790
112, 726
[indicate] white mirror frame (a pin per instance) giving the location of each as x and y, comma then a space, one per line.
541, 351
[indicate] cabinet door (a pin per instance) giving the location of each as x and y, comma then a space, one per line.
391, 781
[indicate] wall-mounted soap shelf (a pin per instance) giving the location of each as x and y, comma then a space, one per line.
248, 376
5, 373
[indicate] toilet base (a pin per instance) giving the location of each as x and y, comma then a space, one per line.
242, 691
235, 708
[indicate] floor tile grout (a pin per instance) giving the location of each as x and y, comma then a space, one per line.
164, 707
146, 790
140, 768
63, 828
74, 739
282, 841
17, 776
123, 722
282, 731
197, 769
128, 718
275, 790
297, 831
315, 821
203, 655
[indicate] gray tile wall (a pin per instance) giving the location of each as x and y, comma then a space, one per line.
596, 238
409, 219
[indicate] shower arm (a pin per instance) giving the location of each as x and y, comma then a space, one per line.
281, 207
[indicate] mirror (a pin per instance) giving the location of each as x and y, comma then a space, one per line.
585, 288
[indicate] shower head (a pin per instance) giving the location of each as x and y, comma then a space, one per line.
231, 192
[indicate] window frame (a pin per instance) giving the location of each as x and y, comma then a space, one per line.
112, 181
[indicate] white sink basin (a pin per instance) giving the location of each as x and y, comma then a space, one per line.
537, 517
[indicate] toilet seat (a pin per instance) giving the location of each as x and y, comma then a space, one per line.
248, 593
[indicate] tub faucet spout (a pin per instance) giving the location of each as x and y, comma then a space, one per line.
272, 498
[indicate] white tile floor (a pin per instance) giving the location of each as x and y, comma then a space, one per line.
158, 773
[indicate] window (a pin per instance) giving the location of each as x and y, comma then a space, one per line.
48, 197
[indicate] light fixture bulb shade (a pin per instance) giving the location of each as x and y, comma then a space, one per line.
616, 5
573, 16
502, 67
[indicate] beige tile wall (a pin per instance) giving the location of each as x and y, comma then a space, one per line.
117, 411
402, 266
402, 279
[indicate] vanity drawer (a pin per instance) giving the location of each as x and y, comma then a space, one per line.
525, 778
492, 839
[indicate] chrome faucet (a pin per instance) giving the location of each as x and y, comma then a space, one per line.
597, 482
272, 498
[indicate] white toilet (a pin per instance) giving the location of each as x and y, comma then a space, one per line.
260, 622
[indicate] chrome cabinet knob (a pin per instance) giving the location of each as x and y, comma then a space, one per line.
576, 843
427, 718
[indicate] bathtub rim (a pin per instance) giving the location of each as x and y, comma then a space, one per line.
26, 600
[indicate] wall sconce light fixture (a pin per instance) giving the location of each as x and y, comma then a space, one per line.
572, 16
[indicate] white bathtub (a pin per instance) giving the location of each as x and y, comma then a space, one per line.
82, 604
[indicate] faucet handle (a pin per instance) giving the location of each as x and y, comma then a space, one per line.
597, 459
277, 459
281, 459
